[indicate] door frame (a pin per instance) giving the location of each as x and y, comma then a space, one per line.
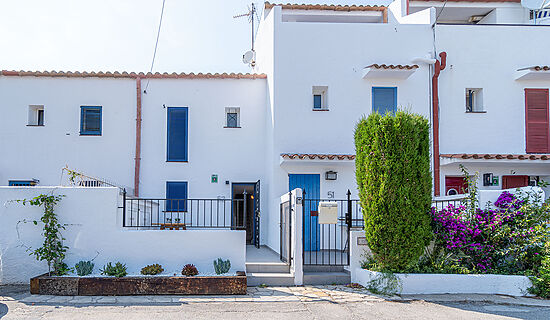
253, 226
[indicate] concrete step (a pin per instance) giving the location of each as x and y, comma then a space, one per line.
323, 268
327, 277
267, 267
270, 279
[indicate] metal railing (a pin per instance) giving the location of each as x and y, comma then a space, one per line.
440, 204
78, 179
182, 214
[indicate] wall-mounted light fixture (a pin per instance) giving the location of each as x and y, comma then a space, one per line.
331, 175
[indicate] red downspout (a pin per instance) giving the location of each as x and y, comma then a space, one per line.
138, 137
435, 118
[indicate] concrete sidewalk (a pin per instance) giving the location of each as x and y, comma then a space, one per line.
319, 302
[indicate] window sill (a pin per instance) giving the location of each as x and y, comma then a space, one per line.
324, 109
185, 161
476, 112
35, 125
90, 134
226, 127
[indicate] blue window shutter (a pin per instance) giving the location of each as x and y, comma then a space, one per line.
177, 134
176, 191
90, 120
384, 99
21, 183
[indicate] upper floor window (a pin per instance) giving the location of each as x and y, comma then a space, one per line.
320, 98
474, 100
90, 120
22, 183
36, 115
384, 99
177, 125
232, 117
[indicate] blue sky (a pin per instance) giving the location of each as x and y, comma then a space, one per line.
119, 35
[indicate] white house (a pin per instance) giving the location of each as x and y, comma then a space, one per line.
230, 147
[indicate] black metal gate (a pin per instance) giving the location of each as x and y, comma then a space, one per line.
328, 244
285, 229
257, 214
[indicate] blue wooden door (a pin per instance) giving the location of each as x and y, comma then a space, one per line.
311, 185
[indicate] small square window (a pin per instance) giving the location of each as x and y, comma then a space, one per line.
36, 115
474, 100
320, 98
232, 117
90, 121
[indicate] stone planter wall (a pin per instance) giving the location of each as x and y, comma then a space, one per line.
154, 285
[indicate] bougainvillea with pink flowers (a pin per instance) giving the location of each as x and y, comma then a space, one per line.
507, 238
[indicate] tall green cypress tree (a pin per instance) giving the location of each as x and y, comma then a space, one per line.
395, 185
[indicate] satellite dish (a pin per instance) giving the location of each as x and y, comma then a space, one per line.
535, 4
249, 57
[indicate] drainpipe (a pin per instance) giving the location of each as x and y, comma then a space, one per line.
138, 137
439, 65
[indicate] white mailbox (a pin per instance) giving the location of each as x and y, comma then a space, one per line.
328, 212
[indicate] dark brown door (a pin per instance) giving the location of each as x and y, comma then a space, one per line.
537, 138
510, 182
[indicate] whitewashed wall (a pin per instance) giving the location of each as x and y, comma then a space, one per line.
94, 227
310, 54
488, 60
41, 152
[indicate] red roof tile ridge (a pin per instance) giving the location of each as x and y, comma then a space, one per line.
125, 74
333, 7
487, 156
393, 66
322, 156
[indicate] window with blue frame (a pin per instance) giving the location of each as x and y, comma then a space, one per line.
21, 183
177, 124
176, 196
90, 120
384, 99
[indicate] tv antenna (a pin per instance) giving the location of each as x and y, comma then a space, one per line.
249, 57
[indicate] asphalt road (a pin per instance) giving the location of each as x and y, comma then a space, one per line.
14, 305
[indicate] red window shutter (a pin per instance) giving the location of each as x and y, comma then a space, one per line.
459, 184
511, 182
536, 121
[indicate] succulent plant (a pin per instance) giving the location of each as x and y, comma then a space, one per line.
152, 269
84, 268
189, 270
118, 270
221, 266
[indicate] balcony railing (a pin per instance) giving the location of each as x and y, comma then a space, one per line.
183, 214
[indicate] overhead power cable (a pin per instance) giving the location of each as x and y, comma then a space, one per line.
156, 45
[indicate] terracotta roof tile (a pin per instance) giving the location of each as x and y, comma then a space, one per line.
536, 68
393, 66
317, 156
518, 1
294, 6
496, 156
125, 74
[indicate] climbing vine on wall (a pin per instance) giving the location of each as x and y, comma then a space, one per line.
52, 250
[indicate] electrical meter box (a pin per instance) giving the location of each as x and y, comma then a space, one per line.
328, 212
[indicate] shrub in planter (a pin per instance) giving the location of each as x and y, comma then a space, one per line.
189, 270
152, 269
118, 270
395, 186
84, 268
222, 266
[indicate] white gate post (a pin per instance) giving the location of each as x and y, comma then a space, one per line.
297, 243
